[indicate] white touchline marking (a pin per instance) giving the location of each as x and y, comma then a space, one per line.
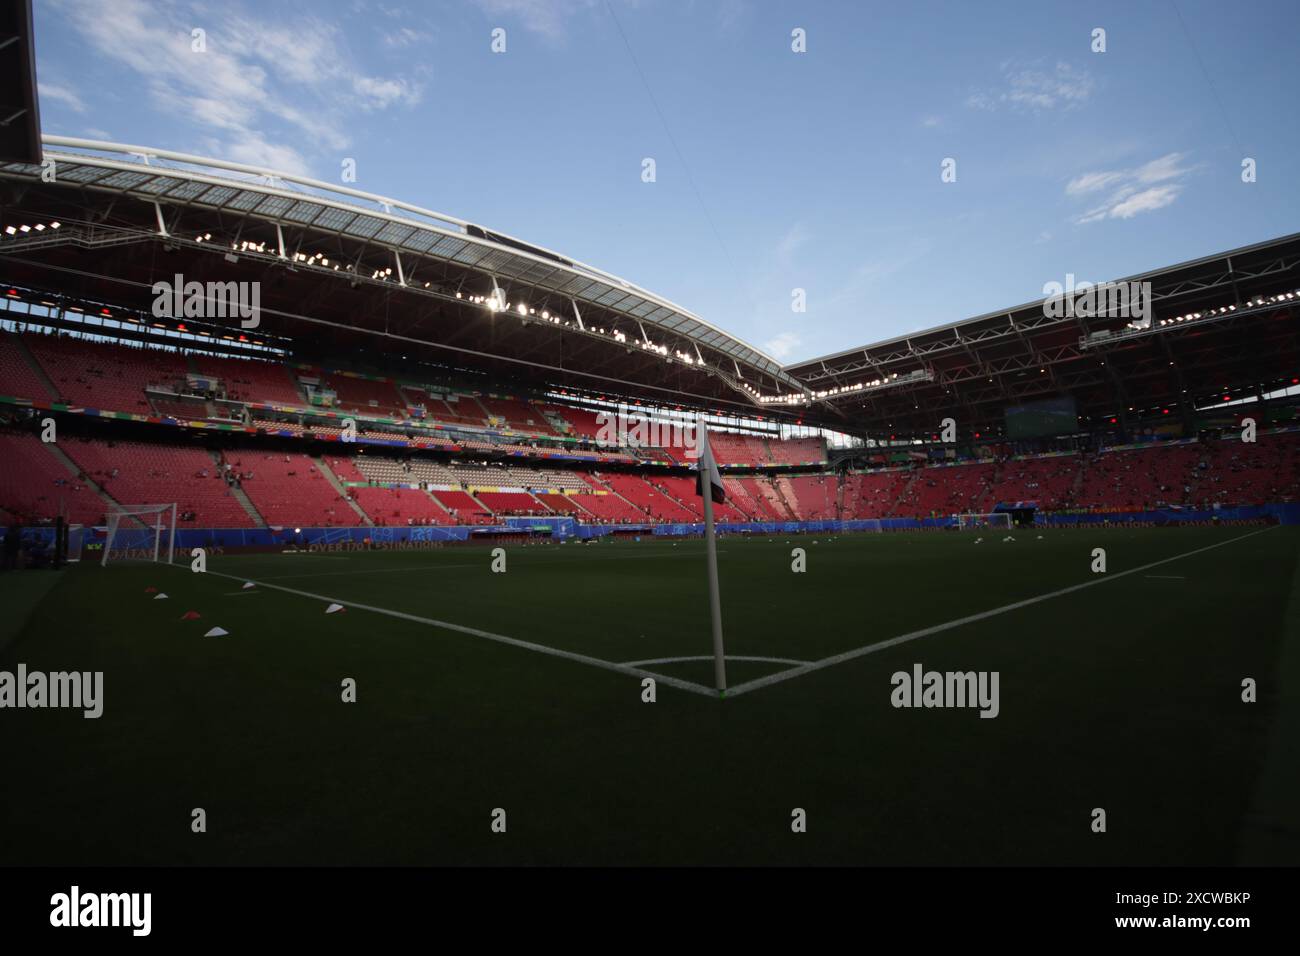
487, 635
709, 657
927, 631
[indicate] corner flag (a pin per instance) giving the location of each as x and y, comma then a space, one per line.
708, 468
716, 494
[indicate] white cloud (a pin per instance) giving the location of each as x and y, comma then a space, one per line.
1131, 191
1148, 199
380, 94
404, 37
61, 94
790, 243
781, 347
543, 17
1035, 89
1092, 182
256, 82
1166, 167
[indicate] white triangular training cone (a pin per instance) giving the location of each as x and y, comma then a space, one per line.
247, 585
160, 597
334, 608
217, 632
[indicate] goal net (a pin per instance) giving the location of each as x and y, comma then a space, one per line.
140, 533
998, 520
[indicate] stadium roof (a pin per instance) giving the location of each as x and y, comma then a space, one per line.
20, 121
383, 241
1225, 324
348, 273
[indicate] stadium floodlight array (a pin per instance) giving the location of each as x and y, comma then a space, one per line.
24, 228
140, 533
874, 385
1104, 337
998, 519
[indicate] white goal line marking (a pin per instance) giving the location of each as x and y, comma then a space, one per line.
486, 635
937, 628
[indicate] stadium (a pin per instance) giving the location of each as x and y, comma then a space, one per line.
381, 524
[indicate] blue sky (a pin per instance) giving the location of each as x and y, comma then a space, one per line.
775, 170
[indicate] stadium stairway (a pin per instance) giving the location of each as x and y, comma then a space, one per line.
785, 493
989, 496
776, 501
75, 470
477, 500
663, 490
1080, 474
238, 494
337, 485
440, 506
21, 348
600, 485
905, 494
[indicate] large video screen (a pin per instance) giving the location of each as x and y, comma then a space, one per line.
1052, 416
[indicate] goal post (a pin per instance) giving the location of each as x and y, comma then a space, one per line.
140, 533
76, 539
995, 519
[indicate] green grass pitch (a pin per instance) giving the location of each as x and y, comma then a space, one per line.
1124, 694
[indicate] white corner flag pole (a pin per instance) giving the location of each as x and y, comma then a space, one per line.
711, 550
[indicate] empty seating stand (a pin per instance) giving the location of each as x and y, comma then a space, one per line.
35, 485
367, 397
400, 506
289, 490
17, 377
250, 380
137, 473
104, 376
